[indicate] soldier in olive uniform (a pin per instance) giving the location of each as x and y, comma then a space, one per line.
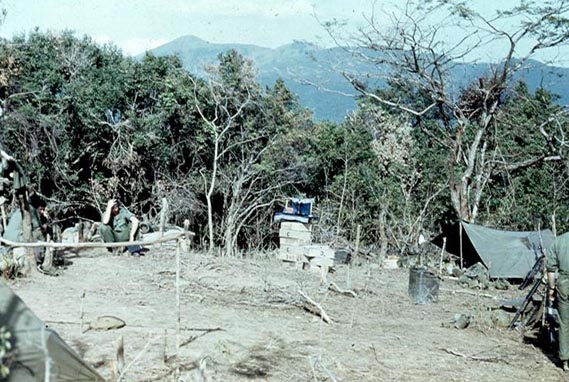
40, 227
118, 224
558, 261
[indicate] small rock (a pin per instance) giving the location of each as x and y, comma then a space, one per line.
461, 321
455, 271
501, 284
501, 319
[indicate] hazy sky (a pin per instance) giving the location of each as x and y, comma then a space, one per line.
138, 25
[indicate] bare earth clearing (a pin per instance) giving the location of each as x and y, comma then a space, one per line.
264, 333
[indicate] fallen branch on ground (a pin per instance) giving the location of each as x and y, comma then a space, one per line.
204, 332
317, 364
477, 294
474, 357
335, 288
315, 308
186, 366
123, 372
62, 322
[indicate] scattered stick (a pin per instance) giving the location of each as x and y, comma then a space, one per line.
313, 369
335, 288
123, 372
315, 308
62, 322
473, 357
327, 372
317, 363
186, 366
165, 349
205, 329
372, 346
193, 338
81, 313
120, 353
477, 294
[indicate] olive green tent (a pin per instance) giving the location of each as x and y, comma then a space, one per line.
506, 254
37, 352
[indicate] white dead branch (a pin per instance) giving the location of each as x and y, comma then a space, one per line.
315, 308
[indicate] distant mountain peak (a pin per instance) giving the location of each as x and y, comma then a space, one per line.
299, 44
190, 40
305, 60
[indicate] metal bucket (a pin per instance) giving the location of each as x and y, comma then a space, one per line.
423, 286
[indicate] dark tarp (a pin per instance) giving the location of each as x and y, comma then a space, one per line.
506, 254
38, 349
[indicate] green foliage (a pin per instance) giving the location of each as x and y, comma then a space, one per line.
5, 351
525, 196
88, 123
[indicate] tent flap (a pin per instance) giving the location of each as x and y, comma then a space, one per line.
508, 254
38, 349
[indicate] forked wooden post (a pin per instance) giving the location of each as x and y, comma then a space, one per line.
358, 233
178, 314
460, 244
165, 349
442, 253
355, 257
47, 263
46, 357
186, 243
163, 215
4, 219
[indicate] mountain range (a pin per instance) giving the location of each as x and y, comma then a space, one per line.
314, 73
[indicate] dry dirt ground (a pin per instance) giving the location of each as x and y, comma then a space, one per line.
242, 320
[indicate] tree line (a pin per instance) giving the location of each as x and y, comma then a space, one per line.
89, 123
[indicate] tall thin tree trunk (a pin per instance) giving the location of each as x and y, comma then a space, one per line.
382, 233
228, 238
210, 193
339, 221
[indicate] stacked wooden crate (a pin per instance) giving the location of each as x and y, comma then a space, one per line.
296, 247
293, 237
319, 256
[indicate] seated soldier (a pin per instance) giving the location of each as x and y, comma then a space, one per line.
15, 232
119, 224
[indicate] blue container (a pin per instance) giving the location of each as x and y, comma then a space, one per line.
302, 207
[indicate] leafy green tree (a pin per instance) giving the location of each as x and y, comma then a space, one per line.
89, 124
244, 130
372, 171
413, 54
533, 192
